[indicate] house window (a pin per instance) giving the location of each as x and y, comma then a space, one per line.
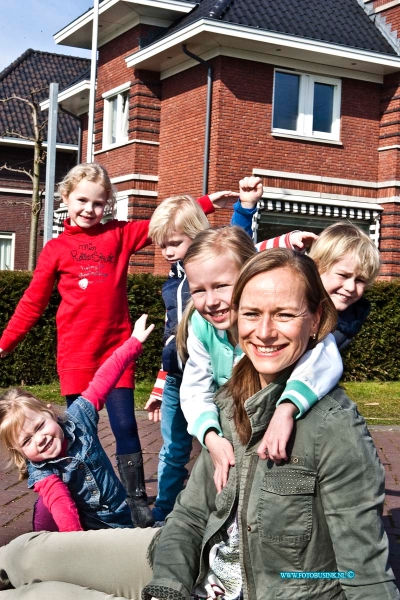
116, 115
306, 105
7, 248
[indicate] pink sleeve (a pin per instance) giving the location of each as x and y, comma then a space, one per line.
110, 372
57, 498
206, 204
34, 300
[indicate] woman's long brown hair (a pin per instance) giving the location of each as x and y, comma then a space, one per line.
245, 380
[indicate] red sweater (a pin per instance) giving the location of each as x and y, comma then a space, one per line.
90, 267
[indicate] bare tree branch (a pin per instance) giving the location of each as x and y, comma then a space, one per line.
17, 170
19, 135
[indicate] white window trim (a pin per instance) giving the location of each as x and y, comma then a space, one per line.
107, 118
9, 236
121, 206
306, 101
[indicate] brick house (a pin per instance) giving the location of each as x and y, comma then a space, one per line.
32, 70
303, 93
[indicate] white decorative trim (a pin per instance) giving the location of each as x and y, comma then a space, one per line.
315, 178
306, 138
258, 35
135, 141
6, 190
136, 176
271, 59
78, 88
386, 6
16, 142
135, 192
319, 198
394, 147
390, 200
117, 90
170, 5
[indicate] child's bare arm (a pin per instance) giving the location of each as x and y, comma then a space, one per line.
273, 445
222, 199
251, 190
221, 452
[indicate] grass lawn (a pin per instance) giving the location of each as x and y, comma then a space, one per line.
377, 401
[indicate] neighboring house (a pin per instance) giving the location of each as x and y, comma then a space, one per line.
33, 70
303, 93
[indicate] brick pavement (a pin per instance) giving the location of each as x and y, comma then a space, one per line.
16, 501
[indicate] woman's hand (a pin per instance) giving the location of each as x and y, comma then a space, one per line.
153, 407
139, 331
273, 445
221, 452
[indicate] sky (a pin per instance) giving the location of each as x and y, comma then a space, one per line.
32, 23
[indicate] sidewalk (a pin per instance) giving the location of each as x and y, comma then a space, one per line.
16, 501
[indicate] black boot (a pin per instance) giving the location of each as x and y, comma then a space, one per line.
130, 467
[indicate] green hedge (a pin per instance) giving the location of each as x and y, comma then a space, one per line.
374, 352
372, 355
34, 359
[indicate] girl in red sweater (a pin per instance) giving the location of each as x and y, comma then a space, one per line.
89, 261
63, 457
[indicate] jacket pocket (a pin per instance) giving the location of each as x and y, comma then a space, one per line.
285, 510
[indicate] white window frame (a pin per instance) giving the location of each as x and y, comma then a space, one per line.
306, 107
121, 207
6, 235
122, 121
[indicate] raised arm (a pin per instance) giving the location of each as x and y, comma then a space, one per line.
110, 372
33, 302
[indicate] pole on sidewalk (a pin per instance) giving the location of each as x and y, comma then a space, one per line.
50, 163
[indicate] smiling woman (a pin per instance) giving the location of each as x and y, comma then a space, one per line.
317, 513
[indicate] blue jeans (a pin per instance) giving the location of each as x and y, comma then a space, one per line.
120, 406
175, 453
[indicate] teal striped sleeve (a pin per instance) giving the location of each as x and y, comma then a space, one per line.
300, 394
207, 420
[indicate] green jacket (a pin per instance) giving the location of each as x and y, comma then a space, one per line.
319, 512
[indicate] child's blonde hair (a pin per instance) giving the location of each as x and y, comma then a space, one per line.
13, 405
231, 241
180, 214
92, 172
343, 238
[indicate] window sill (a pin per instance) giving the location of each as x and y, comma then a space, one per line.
126, 143
294, 136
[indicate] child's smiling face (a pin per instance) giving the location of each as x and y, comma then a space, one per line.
211, 284
86, 204
40, 437
343, 283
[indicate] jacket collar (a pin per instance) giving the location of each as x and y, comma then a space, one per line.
75, 229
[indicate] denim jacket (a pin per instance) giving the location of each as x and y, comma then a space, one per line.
318, 512
87, 471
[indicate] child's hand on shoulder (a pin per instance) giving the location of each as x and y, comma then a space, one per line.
222, 199
273, 445
153, 407
3, 353
222, 455
302, 239
251, 190
140, 332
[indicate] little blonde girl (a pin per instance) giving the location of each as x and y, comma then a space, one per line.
63, 457
89, 262
212, 264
